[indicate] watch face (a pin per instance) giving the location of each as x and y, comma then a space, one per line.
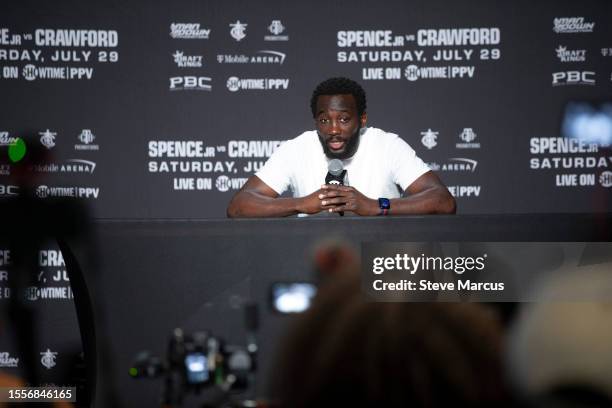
384, 203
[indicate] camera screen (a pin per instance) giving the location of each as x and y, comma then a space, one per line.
196, 365
292, 297
588, 123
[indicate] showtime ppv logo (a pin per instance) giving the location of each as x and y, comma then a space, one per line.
32, 72
465, 191
76, 192
224, 183
605, 179
414, 72
235, 84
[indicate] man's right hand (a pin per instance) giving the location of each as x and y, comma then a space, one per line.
257, 199
312, 203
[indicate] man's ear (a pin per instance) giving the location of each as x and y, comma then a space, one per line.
363, 119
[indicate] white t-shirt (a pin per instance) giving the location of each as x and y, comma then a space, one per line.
382, 162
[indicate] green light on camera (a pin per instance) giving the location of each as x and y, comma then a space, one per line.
133, 372
17, 150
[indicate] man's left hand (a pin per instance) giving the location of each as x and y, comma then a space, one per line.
336, 198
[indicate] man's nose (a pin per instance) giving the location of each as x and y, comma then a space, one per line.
335, 128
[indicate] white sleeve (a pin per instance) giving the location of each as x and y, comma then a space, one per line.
406, 165
277, 171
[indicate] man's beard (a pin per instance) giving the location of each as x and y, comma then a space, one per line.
351, 146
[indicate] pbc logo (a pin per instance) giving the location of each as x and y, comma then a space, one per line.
190, 83
8, 190
573, 78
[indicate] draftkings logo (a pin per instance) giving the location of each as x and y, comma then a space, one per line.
187, 61
566, 55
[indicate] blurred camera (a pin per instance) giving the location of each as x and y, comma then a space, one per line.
197, 361
589, 123
292, 297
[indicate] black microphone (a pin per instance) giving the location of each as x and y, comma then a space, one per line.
336, 175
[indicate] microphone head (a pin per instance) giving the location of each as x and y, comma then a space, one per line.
335, 167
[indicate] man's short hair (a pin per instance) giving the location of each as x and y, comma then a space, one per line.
339, 86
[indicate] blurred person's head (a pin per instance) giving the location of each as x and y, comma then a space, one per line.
335, 258
348, 352
561, 346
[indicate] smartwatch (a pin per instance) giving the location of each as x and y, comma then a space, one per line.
385, 206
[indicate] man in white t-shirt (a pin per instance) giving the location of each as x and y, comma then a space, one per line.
378, 165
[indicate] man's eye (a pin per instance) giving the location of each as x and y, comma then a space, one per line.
323, 120
345, 120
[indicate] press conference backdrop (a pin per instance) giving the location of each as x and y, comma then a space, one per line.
160, 109
163, 109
